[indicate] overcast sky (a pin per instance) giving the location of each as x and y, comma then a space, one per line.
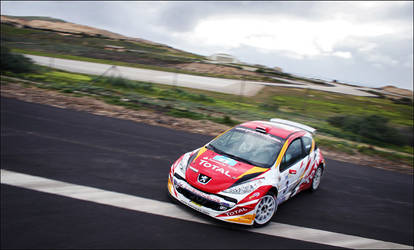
365, 43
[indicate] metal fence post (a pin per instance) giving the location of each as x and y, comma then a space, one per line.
175, 80
242, 87
305, 101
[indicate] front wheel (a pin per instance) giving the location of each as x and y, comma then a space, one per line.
316, 179
265, 210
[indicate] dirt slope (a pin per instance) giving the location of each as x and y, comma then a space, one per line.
399, 91
67, 27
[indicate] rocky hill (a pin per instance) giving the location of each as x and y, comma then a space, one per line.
61, 26
398, 91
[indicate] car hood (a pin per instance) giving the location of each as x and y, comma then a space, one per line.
221, 171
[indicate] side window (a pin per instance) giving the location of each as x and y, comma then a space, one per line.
307, 143
292, 155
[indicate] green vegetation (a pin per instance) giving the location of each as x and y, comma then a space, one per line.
15, 62
372, 127
341, 146
390, 156
323, 105
353, 148
92, 47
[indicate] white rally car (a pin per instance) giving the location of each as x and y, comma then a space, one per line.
245, 173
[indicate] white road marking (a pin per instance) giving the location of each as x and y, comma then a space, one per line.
171, 210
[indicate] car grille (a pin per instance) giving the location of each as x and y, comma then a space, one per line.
200, 200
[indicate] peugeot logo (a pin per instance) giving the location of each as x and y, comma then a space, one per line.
203, 179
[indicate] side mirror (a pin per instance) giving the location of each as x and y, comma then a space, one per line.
292, 171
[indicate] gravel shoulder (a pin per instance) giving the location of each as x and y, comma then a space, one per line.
91, 105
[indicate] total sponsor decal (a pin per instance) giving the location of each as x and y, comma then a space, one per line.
238, 211
206, 164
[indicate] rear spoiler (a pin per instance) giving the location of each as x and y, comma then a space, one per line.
294, 124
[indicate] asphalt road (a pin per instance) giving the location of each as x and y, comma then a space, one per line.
134, 158
229, 86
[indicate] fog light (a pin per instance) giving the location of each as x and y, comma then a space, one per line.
223, 208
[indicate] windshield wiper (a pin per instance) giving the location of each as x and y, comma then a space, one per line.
229, 155
209, 146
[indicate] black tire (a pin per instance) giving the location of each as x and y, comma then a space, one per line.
316, 180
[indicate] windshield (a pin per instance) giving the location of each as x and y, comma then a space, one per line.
247, 145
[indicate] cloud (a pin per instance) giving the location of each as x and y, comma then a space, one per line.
284, 33
343, 54
184, 16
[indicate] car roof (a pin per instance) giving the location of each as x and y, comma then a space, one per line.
280, 130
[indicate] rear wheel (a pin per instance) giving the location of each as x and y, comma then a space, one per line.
316, 179
265, 209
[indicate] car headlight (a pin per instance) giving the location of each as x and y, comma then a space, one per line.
243, 188
182, 165
187, 158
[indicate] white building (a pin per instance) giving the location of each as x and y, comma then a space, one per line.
223, 58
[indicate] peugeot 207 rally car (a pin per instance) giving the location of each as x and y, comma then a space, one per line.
243, 174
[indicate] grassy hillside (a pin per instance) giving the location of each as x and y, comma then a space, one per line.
93, 47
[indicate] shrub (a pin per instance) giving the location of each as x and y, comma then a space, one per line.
260, 70
185, 113
371, 127
224, 120
175, 92
203, 98
404, 100
15, 63
125, 83
228, 121
119, 82
269, 106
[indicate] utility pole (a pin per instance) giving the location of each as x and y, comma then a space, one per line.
242, 87
175, 80
51, 62
113, 67
305, 100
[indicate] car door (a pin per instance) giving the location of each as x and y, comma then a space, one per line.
290, 169
309, 158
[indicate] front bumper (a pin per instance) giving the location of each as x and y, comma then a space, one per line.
219, 207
